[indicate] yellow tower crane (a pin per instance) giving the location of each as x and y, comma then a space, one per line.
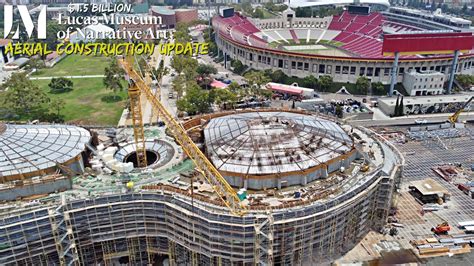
454, 117
136, 86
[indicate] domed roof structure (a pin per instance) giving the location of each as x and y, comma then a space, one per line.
29, 150
273, 143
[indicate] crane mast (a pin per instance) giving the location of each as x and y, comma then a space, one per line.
137, 121
225, 192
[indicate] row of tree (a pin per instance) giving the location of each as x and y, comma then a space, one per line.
466, 81
399, 107
25, 100
324, 83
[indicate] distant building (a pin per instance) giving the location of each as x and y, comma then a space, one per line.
186, 15
425, 104
423, 83
99, 30
168, 16
143, 27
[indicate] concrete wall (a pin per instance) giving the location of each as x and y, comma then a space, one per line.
15, 193
417, 84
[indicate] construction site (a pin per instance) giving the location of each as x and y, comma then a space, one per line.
260, 186
243, 187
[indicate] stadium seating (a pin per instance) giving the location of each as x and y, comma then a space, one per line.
359, 33
293, 36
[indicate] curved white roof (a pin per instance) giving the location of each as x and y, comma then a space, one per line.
29, 148
305, 3
273, 142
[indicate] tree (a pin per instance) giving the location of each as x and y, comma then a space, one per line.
222, 96
338, 111
204, 72
181, 62
234, 87
325, 82
238, 67
178, 85
161, 71
310, 82
181, 34
397, 105
400, 108
35, 63
60, 85
466, 81
279, 76
113, 77
23, 97
195, 101
57, 105
258, 13
378, 88
142, 65
256, 79
362, 85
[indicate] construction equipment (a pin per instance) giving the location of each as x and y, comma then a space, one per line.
454, 117
364, 168
137, 121
225, 192
442, 228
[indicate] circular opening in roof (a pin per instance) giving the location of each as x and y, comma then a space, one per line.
151, 158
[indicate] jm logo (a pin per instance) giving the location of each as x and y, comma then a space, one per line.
27, 21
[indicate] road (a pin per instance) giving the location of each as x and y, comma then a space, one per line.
220, 66
432, 118
68, 77
166, 86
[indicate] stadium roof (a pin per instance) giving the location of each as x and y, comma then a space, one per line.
29, 148
306, 3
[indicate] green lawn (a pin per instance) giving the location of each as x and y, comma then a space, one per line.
84, 104
76, 65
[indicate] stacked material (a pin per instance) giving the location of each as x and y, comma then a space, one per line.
108, 158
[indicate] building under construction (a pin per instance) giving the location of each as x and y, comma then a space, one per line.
342, 188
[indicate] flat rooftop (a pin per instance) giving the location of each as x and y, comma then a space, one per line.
428, 99
429, 187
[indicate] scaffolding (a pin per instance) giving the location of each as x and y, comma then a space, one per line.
193, 230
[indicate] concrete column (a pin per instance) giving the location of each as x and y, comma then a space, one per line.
246, 183
225, 60
304, 181
453, 71
394, 74
279, 184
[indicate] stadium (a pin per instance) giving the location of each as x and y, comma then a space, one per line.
343, 46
